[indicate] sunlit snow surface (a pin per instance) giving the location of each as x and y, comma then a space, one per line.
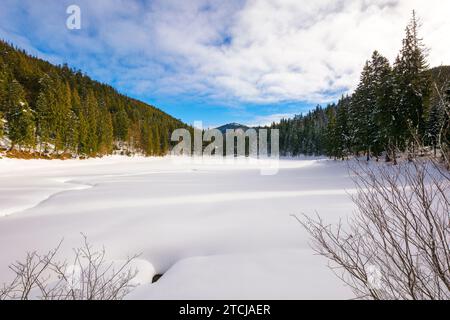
216, 231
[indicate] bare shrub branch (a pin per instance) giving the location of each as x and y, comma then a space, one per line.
397, 246
88, 277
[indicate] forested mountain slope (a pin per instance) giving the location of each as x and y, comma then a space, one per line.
54, 109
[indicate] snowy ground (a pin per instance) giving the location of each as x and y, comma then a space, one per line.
216, 231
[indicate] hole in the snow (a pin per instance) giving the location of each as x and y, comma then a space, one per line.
157, 277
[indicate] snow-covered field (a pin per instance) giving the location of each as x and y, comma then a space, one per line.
216, 231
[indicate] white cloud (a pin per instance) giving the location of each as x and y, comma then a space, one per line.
246, 51
290, 49
261, 121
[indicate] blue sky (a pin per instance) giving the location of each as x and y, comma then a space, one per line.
247, 61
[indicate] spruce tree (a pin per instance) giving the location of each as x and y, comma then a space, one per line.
331, 132
64, 112
76, 102
164, 142
361, 116
121, 125
370, 114
156, 141
445, 133
106, 134
3, 85
72, 137
381, 114
3, 90
342, 132
46, 116
411, 88
2, 126
83, 136
92, 117
436, 124
149, 141
20, 117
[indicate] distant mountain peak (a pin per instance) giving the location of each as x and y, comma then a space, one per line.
232, 126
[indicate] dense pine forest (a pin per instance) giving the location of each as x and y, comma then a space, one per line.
53, 110
394, 109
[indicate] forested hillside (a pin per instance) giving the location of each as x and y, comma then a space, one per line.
395, 108
52, 110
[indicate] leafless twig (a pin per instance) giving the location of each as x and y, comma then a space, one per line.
88, 277
397, 246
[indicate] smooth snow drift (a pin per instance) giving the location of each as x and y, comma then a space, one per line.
215, 231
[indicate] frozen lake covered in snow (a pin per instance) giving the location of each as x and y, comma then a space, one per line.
216, 231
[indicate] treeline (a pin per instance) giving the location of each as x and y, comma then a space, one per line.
394, 109
54, 109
